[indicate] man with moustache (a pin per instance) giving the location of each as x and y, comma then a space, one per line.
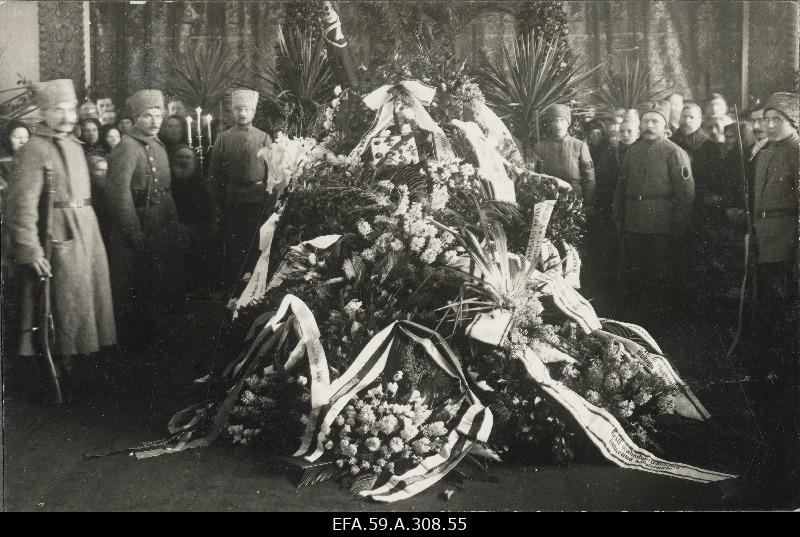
238, 185
759, 132
652, 209
147, 256
80, 297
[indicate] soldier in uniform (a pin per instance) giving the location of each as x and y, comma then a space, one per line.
566, 157
147, 256
81, 304
238, 185
775, 211
652, 209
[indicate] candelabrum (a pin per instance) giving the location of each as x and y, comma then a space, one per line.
201, 147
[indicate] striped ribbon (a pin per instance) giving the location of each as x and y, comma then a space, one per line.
607, 434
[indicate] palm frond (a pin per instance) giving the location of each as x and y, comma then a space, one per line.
312, 472
634, 85
297, 80
525, 80
362, 483
201, 76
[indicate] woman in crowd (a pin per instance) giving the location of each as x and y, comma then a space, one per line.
14, 136
173, 134
191, 195
110, 136
98, 170
90, 136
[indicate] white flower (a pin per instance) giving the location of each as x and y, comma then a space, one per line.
467, 170
369, 254
397, 376
612, 383
428, 256
415, 395
397, 245
335, 102
352, 461
329, 445
363, 227
340, 420
417, 243
365, 465
396, 444
354, 470
353, 307
352, 449
390, 467
340, 463
391, 388
380, 462
409, 430
372, 443
312, 258
302, 381
450, 257
593, 397
388, 424
625, 408
421, 446
366, 416
439, 198
337, 90
434, 429
346, 429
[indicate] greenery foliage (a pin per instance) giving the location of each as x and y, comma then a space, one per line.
202, 76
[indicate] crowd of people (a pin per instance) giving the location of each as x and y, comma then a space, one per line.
138, 223
119, 214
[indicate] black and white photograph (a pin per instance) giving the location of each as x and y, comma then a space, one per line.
405, 265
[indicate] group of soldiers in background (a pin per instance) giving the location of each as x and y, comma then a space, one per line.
676, 198
644, 194
126, 280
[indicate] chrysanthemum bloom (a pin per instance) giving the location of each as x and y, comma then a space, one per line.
434, 429
352, 449
396, 444
593, 397
372, 443
388, 424
421, 446
340, 420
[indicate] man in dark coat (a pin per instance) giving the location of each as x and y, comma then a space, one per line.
652, 209
146, 245
566, 157
238, 185
81, 303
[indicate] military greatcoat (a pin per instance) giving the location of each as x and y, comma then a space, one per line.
81, 303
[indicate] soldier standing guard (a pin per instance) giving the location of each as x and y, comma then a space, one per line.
80, 297
566, 157
652, 209
147, 255
775, 212
238, 184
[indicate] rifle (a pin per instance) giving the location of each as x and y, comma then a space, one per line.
46, 326
750, 265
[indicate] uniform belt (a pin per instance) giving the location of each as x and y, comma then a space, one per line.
77, 204
663, 197
774, 213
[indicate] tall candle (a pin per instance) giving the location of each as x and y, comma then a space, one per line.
199, 122
189, 128
208, 119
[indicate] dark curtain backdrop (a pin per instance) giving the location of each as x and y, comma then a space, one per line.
131, 44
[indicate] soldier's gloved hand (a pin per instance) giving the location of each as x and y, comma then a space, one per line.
42, 268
